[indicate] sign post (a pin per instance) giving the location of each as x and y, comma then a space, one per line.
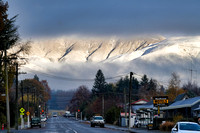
28, 113
160, 101
22, 119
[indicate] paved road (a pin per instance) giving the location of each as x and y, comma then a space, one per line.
65, 125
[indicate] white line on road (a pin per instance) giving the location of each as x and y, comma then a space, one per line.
73, 130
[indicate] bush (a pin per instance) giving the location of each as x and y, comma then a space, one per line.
112, 115
177, 118
167, 126
2, 118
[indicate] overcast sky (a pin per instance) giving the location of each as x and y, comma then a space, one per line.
54, 18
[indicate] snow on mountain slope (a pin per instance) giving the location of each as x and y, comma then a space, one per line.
79, 58
83, 50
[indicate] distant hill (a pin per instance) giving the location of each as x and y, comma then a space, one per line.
60, 99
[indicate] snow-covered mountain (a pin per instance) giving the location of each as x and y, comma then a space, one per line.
63, 61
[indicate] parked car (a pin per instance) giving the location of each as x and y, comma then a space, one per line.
97, 121
198, 120
43, 119
186, 127
35, 122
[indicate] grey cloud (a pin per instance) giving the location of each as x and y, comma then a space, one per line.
105, 17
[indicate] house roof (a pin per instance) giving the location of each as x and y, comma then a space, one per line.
180, 97
148, 105
140, 101
127, 114
183, 103
197, 109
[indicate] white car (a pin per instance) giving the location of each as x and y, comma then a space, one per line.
97, 121
186, 127
43, 119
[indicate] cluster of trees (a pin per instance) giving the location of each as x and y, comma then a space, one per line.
34, 93
107, 99
10, 50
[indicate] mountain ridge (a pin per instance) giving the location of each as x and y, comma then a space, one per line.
76, 58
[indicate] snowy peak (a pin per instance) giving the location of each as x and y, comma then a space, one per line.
89, 50
78, 58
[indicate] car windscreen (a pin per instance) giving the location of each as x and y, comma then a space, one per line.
35, 119
98, 118
189, 126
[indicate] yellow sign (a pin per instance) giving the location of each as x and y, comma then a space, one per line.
28, 113
22, 110
162, 101
21, 113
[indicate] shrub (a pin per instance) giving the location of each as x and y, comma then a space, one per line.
112, 115
2, 118
167, 126
177, 118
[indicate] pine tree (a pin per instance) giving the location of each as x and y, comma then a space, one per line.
8, 31
99, 83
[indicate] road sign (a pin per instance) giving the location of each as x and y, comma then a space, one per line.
22, 110
28, 113
21, 113
160, 101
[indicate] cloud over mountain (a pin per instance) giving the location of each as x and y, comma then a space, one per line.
70, 62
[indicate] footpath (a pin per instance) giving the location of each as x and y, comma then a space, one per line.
132, 130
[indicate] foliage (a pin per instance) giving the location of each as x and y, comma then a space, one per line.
167, 126
80, 99
8, 31
174, 87
39, 94
192, 89
3, 118
112, 115
148, 88
36, 77
177, 118
99, 83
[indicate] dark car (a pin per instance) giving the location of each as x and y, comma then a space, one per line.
35, 122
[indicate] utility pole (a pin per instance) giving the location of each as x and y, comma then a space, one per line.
16, 99
125, 107
130, 88
22, 91
103, 105
28, 106
7, 94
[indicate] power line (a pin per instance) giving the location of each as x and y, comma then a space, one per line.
72, 79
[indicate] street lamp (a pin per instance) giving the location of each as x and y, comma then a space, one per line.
39, 110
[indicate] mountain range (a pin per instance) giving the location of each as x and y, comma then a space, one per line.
68, 62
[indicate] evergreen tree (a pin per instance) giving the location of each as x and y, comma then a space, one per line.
8, 38
8, 31
36, 77
122, 83
152, 85
99, 83
144, 81
135, 86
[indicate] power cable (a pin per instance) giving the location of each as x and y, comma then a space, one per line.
73, 79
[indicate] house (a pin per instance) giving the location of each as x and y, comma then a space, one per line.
143, 109
125, 120
181, 97
135, 115
187, 108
